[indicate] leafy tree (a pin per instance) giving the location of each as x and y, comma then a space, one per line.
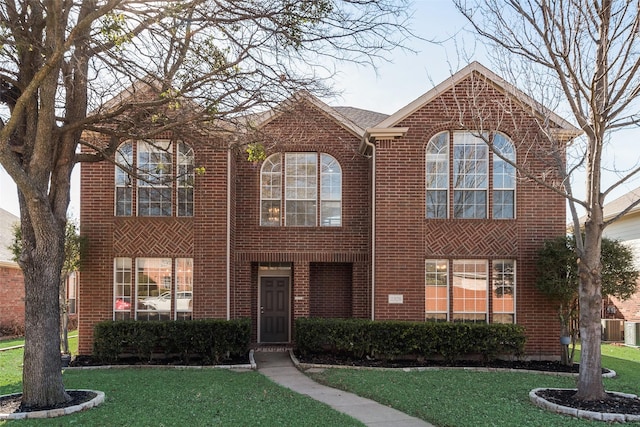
586, 56
168, 66
557, 277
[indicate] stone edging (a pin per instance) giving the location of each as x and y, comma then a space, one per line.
52, 413
305, 366
578, 413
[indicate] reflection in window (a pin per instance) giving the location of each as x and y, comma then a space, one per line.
437, 173
470, 168
122, 289
436, 290
153, 288
303, 185
470, 288
124, 159
184, 288
504, 178
504, 288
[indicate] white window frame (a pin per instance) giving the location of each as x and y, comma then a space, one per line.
494, 287
437, 161
473, 181
271, 194
500, 142
457, 281
330, 190
123, 180
183, 284
120, 268
438, 273
163, 265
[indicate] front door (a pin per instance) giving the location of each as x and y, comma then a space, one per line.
274, 309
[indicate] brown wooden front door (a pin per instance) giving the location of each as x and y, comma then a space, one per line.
274, 309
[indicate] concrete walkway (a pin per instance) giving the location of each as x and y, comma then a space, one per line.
279, 367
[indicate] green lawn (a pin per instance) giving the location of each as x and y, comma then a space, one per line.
178, 397
466, 398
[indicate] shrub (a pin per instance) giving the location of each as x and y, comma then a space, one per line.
357, 338
209, 340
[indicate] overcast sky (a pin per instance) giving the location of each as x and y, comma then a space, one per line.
396, 83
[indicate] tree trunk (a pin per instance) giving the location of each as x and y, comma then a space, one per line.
42, 383
590, 384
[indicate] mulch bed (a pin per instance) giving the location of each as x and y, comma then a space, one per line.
613, 405
79, 361
12, 404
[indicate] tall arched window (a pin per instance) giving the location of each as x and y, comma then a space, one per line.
292, 185
504, 178
158, 165
437, 174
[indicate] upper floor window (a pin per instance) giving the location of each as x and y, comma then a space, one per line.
302, 180
157, 176
467, 176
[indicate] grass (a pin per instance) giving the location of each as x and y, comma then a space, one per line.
465, 398
173, 397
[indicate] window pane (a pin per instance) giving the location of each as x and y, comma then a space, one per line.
122, 288
300, 189
437, 176
184, 288
156, 175
271, 190
153, 282
470, 288
504, 290
124, 157
330, 191
185, 180
470, 169
436, 289
154, 201
504, 178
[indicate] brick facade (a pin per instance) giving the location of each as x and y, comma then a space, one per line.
331, 271
12, 297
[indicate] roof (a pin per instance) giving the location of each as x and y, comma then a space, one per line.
564, 129
616, 206
363, 118
7, 221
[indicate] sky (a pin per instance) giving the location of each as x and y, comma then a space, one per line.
396, 82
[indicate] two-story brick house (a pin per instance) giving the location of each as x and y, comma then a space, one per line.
351, 214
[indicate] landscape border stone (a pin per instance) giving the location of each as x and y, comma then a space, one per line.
58, 412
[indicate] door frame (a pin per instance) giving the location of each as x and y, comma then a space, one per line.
281, 271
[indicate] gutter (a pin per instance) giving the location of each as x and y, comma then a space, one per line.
228, 234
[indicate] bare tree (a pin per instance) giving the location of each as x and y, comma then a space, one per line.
168, 66
588, 53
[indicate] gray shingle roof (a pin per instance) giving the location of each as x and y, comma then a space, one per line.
616, 206
363, 118
7, 221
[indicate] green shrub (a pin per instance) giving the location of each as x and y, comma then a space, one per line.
209, 340
357, 338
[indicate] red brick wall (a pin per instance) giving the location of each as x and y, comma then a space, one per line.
12, 300
331, 290
404, 238
202, 237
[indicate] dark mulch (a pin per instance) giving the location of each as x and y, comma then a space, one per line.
612, 405
13, 403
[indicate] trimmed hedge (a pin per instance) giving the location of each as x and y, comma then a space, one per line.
209, 340
358, 338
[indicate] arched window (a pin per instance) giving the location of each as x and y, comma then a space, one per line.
437, 174
504, 178
156, 173
292, 185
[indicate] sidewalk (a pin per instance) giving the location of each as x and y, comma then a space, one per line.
279, 367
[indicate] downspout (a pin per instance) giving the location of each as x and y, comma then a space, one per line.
373, 226
229, 234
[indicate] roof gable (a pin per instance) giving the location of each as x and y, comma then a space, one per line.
565, 130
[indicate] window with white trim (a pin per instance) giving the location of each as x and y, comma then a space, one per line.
437, 175
457, 183
122, 296
470, 286
436, 290
184, 288
158, 165
504, 178
504, 291
298, 193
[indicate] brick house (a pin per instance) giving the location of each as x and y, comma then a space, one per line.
351, 214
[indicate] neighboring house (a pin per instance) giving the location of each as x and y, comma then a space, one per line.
12, 283
627, 230
11, 280
351, 214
